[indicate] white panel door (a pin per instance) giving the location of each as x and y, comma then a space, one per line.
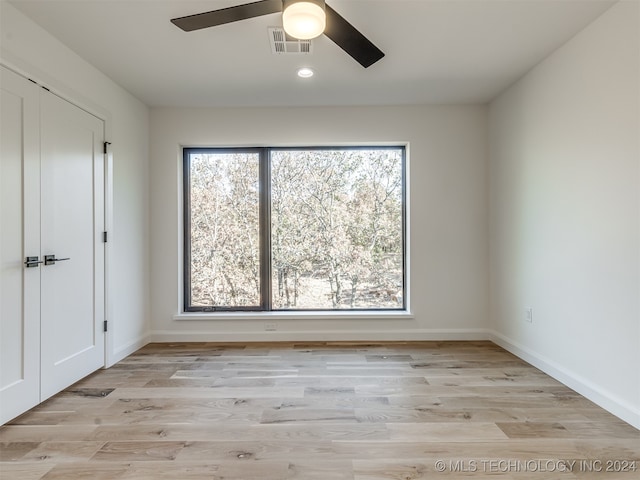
72, 220
19, 238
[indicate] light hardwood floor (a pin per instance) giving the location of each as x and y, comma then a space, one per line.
319, 411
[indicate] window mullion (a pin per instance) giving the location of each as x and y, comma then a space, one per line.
265, 229
186, 247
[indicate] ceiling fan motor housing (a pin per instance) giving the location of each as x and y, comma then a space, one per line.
288, 3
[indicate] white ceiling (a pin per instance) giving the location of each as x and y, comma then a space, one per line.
437, 51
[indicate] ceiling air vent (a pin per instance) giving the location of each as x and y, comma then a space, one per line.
283, 43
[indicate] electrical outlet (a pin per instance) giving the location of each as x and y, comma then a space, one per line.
528, 315
271, 327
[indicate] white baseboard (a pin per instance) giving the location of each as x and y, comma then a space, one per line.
586, 388
321, 336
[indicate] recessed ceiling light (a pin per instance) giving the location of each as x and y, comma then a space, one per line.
305, 72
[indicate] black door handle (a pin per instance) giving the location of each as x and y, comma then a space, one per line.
51, 259
32, 262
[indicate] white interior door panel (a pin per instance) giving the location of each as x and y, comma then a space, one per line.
72, 180
19, 238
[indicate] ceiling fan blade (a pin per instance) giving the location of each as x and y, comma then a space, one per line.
351, 40
227, 15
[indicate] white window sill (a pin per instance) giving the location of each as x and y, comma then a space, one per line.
309, 315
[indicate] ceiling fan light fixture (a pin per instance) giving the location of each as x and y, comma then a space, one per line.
304, 19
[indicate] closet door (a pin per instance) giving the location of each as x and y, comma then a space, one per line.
19, 238
72, 182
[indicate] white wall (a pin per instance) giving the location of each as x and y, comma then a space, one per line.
30, 50
565, 213
448, 216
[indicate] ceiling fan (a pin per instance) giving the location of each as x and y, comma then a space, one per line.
302, 19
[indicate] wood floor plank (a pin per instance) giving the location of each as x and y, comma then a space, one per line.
221, 392
445, 432
12, 451
534, 430
309, 415
391, 414
24, 471
246, 450
158, 470
86, 470
45, 433
138, 451
314, 411
63, 452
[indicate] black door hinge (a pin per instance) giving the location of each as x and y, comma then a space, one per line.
105, 326
104, 237
106, 146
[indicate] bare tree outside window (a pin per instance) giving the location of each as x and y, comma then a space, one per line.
225, 235
336, 229
331, 238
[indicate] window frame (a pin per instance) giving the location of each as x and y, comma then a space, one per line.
264, 179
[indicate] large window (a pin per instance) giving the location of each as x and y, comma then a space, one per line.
294, 229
